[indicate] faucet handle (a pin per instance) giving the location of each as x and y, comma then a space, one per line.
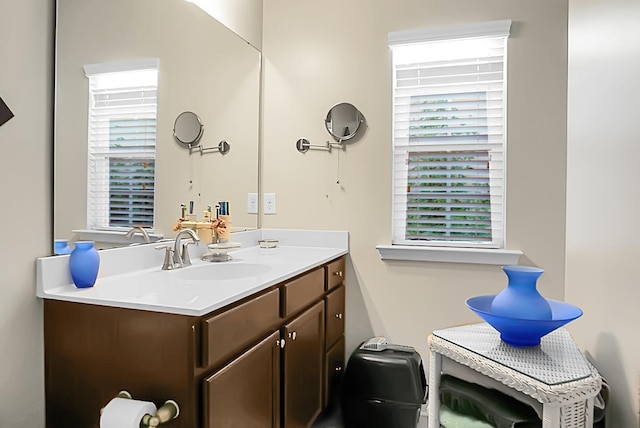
167, 264
186, 260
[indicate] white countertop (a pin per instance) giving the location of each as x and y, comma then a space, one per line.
131, 277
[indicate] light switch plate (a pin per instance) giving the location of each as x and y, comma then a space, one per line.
269, 203
252, 203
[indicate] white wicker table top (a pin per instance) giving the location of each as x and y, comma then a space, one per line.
557, 360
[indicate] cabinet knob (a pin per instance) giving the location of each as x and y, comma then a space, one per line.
280, 343
293, 335
339, 316
339, 368
338, 273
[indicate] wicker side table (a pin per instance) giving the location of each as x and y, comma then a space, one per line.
555, 373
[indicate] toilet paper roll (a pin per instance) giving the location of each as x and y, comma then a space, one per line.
125, 413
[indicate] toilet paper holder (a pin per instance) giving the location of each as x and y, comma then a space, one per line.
168, 411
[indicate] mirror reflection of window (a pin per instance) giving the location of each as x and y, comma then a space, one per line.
121, 144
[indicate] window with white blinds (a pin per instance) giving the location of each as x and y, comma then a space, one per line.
449, 139
122, 144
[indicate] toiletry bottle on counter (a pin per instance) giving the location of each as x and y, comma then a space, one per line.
204, 231
224, 234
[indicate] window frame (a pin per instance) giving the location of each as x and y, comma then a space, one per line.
495, 29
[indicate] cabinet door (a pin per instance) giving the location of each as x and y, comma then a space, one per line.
246, 392
333, 372
335, 315
303, 368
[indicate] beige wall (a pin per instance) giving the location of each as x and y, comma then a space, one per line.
317, 57
25, 145
321, 53
603, 200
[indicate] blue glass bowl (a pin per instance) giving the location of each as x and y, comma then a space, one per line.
521, 332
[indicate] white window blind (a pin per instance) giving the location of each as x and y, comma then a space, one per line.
449, 139
122, 144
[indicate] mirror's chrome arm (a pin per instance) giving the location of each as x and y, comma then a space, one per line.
303, 145
223, 147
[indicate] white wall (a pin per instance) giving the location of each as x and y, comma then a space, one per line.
25, 144
603, 200
321, 53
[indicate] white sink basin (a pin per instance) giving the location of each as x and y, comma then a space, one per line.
221, 271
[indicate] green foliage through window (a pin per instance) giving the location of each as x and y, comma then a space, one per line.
448, 196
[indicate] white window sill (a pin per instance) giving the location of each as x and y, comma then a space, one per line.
449, 254
113, 236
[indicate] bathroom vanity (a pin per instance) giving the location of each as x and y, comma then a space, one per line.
266, 351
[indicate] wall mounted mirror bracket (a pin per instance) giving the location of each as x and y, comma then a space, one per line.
223, 147
303, 145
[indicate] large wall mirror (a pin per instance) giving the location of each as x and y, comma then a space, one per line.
203, 67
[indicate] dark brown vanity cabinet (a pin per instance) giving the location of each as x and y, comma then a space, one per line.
272, 359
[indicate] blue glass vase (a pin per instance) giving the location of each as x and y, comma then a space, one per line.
61, 246
84, 263
521, 298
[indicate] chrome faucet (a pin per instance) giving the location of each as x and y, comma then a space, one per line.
134, 229
180, 251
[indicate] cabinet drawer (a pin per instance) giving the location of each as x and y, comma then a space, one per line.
335, 315
335, 273
302, 291
227, 333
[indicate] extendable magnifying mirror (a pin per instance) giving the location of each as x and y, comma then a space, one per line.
343, 121
188, 129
